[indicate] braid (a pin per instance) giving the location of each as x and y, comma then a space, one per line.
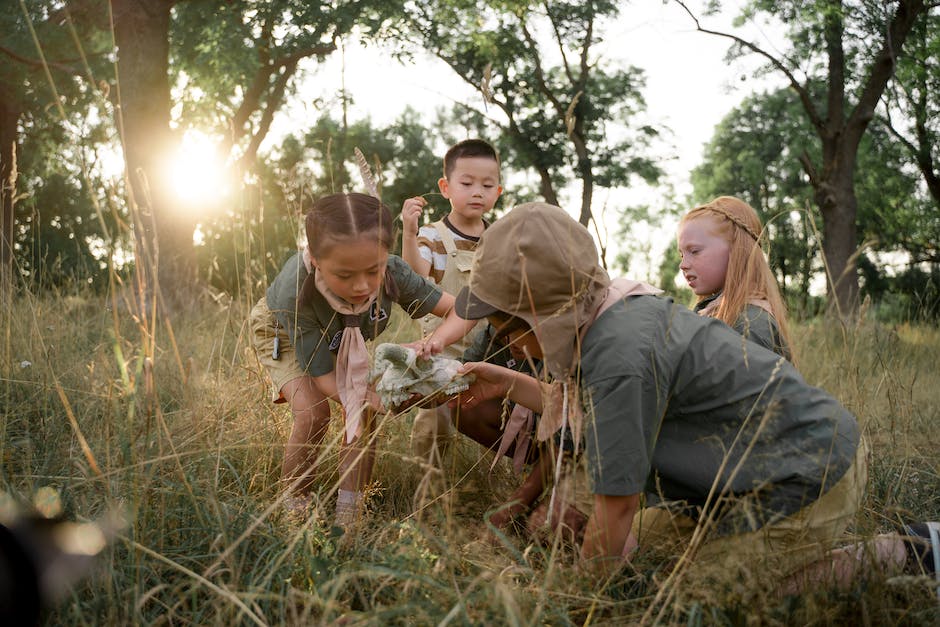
748, 275
733, 218
343, 216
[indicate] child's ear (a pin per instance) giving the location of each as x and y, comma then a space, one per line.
444, 186
309, 261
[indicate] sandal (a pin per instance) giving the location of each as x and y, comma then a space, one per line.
923, 548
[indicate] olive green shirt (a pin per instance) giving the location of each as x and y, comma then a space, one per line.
673, 406
315, 328
757, 325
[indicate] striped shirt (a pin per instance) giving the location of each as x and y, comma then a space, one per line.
432, 250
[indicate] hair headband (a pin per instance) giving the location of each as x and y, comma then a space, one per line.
733, 218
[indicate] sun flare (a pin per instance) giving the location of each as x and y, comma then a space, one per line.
198, 172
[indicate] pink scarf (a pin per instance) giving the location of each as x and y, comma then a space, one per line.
517, 430
352, 359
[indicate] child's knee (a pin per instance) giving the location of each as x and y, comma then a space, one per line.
311, 407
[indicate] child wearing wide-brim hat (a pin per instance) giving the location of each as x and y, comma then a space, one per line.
738, 458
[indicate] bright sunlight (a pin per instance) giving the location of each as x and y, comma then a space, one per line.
198, 172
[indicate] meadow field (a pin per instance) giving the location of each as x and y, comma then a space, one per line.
107, 410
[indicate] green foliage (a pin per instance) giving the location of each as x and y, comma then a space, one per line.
847, 50
564, 113
228, 51
58, 232
634, 224
244, 248
755, 154
912, 294
914, 95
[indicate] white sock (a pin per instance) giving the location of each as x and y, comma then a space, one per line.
348, 504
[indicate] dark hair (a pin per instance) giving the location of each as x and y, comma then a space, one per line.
338, 217
500, 325
468, 148
506, 324
347, 216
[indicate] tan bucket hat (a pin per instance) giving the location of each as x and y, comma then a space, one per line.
541, 265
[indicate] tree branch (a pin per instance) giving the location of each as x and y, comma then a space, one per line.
37, 64
303, 53
540, 74
272, 105
800, 89
884, 63
889, 124
810, 169
559, 41
833, 30
921, 151
250, 102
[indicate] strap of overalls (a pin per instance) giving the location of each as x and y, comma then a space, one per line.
447, 238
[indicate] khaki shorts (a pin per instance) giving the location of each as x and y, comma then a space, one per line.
787, 545
263, 330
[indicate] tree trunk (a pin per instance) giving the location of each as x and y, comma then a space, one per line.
586, 171
546, 188
9, 117
838, 205
163, 235
841, 135
585, 165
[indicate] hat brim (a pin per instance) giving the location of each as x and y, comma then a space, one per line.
469, 307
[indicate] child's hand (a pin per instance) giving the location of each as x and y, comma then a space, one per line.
425, 348
411, 211
567, 520
490, 381
505, 515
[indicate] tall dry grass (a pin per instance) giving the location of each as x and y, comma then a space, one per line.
114, 413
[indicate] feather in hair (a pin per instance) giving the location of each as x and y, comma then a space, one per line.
366, 173
485, 85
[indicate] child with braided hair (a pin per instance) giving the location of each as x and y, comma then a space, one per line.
310, 332
721, 259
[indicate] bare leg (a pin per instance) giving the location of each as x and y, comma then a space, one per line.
356, 461
885, 552
432, 433
311, 418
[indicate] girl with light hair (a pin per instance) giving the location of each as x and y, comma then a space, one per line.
724, 264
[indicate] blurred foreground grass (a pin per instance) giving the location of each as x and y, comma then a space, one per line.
114, 412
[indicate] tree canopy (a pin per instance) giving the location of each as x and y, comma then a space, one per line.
751, 155
848, 142
565, 112
840, 58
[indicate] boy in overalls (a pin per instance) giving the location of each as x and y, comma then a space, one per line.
443, 252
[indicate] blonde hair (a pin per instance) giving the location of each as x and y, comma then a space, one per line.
748, 276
